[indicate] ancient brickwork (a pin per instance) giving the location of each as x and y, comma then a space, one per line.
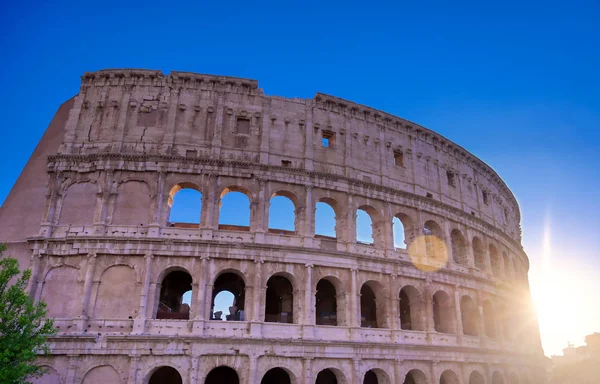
450, 305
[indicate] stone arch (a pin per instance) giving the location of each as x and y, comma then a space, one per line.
234, 282
244, 215
340, 297
164, 375
51, 376
403, 230
174, 283
118, 294
459, 247
78, 203
289, 224
497, 378
374, 217
376, 376
411, 309
280, 298
330, 376
63, 281
489, 319
469, 315
323, 209
415, 376
373, 305
449, 377
495, 260
476, 378
327, 301
194, 201
443, 314
102, 374
434, 242
133, 203
278, 375
478, 253
222, 374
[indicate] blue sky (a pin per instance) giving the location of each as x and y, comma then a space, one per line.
516, 83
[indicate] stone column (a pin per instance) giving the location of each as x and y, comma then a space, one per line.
71, 369
259, 292
309, 297
194, 362
394, 305
259, 212
429, 321
354, 320
203, 284
309, 143
308, 227
216, 139
356, 370
134, 362
388, 228
252, 371
34, 262
169, 137
350, 227
139, 323
459, 324
306, 371
208, 290
160, 206
87, 287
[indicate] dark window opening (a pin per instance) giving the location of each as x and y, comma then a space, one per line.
486, 197
405, 316
228, 298
368, 307
171, 302
279, 305
286, 163
451, 179
326, 304
326, 377
470, 316
222, 375
328, 139
370, 378
398, 158
165, 375
275, 376
459, 247
478, 254
429, 195
442, 312
242, 126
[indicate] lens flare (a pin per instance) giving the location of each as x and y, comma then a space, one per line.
428, 253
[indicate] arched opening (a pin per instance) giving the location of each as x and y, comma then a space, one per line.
495, 260
411, 314
326, 376
470, 316
222, 375
476, 378
275, 376
325, 218
326, 303
282, 214
449, 377
514, 379
478, 254
364, 227
489, 319
101, 374
279, 305
185, 206
434, 243
443, 319
506, 263
165, 375
368, 307
497, 378
228, 297
234, 212
370, 378
171, 303
403, 231
415, 376
459, 247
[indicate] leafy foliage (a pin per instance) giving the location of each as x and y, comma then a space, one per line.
23, 326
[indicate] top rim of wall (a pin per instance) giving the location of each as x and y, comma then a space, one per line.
321, 100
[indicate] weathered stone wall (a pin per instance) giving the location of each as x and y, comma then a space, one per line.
103, 245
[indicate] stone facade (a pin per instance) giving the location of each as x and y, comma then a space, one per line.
90, 216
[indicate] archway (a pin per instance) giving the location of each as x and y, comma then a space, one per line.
489, 319
403, 231
185, 205
279, 305
476, 378
326, 376
172, 290
325, 218
415, 376
165, 375
449, 377
434, 243
497, 378
470, 316
282, 213
234, 211
368, 307
459, 247
411, 314
442, 312
478, 254
326, 303
275, 376
222, 375
228, 298
370, 378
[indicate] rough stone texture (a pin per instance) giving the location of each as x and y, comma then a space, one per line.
90, 216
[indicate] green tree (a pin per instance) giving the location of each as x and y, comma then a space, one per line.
23, 325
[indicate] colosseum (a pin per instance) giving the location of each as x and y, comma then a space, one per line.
439, 292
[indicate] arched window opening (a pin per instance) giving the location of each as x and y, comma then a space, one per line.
497, 378
326, 376
495, 260
489, 319
173, 287
448, 377
282, 215
364, 227
234, 212
410, 309
459, 247
415, 376
165, 375
222, 375
228, 298
275, 376
325, 219
279, 306
403, 231
476, 378
434, 243
442, 313
470, 316
506, 263
326, 303
185, 204
368, 307
370, 378
478, 254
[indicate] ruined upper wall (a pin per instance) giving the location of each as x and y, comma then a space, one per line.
217, 117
